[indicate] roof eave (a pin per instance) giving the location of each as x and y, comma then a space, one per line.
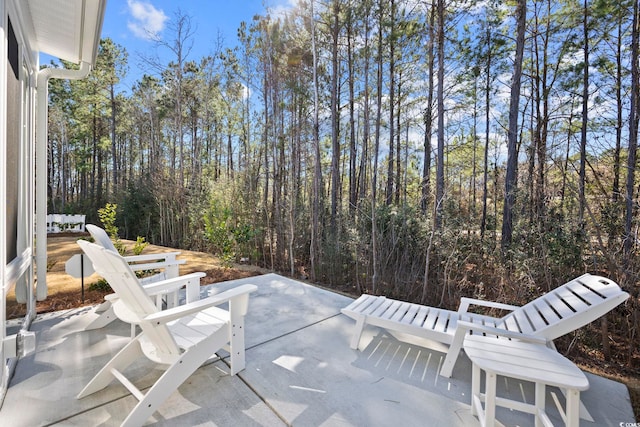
66, 29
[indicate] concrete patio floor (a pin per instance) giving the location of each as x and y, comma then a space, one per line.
300, 371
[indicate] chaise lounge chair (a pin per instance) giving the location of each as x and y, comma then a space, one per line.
564, 309
180, 339
168, 265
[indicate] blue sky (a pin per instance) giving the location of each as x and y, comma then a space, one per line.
130, 22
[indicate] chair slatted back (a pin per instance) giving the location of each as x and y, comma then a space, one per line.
101, 237
566, 308
126, 285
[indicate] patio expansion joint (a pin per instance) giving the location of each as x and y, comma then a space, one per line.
253, 389
84, 411
263, 400
115, 399
294, 331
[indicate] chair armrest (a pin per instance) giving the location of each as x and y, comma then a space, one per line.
175, 313
155, 261
466, 302
164, 257
111, 297
477, 318
169, 285
478, 328
156, 265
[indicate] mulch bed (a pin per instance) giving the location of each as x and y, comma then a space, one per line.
64, 300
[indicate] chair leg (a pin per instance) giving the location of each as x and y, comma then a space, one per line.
572, 412
452, 354
174, 376
475, 389
130, 353
236, 347
355, 340
490, 399
103, 307
103, 320
540, 402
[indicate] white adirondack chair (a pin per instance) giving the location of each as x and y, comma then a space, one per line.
180, 339
167, 262
564, 309
168, 265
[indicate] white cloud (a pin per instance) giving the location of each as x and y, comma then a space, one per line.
246, 91
281, 8
147, 21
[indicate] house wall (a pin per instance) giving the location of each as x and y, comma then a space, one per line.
3, 191
13, 143
20, 79
18, 71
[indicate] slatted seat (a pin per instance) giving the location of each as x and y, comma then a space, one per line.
556, 313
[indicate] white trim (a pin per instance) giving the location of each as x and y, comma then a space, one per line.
4, 285
41, 164
20, 13
17, 268
18, 273
30, 183
25, 242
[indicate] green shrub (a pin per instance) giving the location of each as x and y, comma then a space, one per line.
139, 246
107, 216
100, 285
225, 232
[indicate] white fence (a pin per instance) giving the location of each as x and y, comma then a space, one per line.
58, 223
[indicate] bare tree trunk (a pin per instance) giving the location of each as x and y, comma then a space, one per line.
94, 173
366, 112
316, 203
364, 157
619, 119
633, 137
353, 185
265, 142
335, 115
487, 100
440, 162
585, 118
374, 177
428, 113
392, 88
398, 170
567, 154
512, 156
114, 152
474, 137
